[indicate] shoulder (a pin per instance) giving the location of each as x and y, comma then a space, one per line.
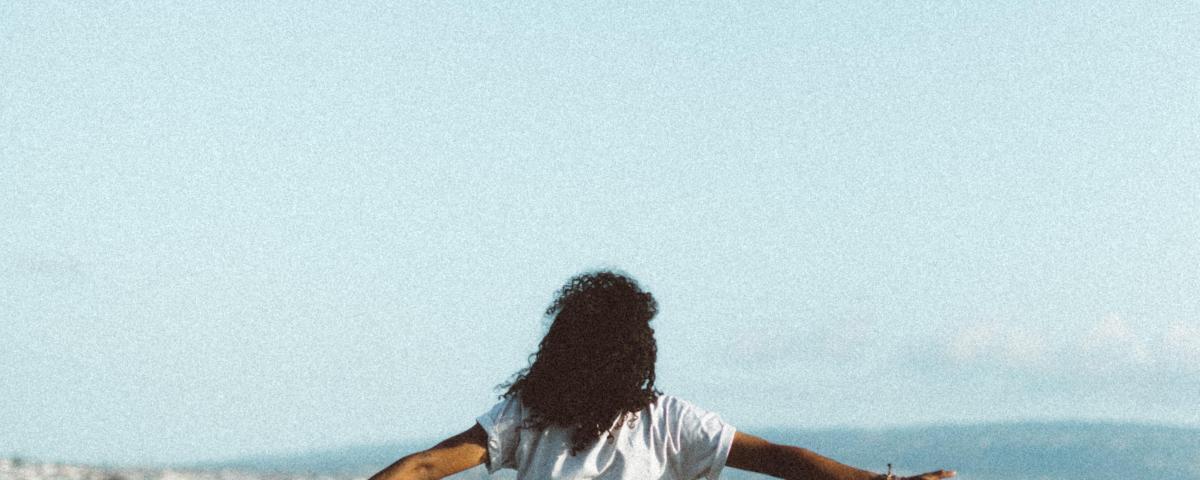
700, 439
670, 400
687, 416
670, 403
682, 414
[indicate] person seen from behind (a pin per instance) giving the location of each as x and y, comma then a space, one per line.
586, 408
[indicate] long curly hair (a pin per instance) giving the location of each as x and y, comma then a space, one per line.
596, 362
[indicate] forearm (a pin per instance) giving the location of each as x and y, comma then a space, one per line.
412, 467
799, 463
448, 457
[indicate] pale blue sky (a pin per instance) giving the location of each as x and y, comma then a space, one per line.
233, 229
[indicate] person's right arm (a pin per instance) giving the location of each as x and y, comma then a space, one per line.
451, 456
783, 461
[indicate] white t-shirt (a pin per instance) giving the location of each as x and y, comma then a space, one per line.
670, 439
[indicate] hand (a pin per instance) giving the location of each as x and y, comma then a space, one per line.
938, 475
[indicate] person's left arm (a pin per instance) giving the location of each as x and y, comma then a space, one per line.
448, 457
749, 452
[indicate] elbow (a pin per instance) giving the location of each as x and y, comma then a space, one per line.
418, 466
786, 454
792, 452
424, 471
793, 462
421, 467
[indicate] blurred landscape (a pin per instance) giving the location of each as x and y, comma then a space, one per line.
1050, 450
233, 229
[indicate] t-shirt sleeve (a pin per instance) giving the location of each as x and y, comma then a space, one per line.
705, 442
501, 423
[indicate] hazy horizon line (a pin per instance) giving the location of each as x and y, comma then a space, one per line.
224, 462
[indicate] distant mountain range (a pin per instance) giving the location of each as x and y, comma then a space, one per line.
1014, 451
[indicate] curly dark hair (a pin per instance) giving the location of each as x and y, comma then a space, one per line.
596, 362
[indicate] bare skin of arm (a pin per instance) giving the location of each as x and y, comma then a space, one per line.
748, 452
783, 461
448, 457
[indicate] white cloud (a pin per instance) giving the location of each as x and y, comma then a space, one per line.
1111, 344
1181, 344
1112, 341
998, 341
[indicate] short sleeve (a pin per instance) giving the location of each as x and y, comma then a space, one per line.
501, 423
705, 442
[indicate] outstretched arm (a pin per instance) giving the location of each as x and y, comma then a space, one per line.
451, 456
757, 455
